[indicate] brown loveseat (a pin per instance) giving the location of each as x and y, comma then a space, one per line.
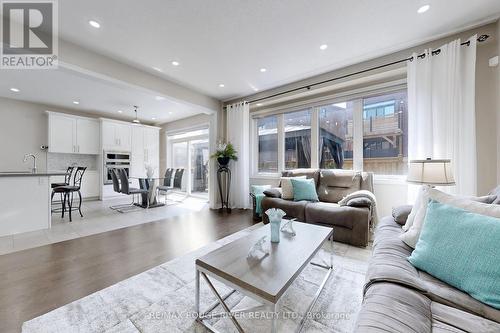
351, 222
400, 298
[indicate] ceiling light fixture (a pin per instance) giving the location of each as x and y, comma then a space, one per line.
259, 104
423, 9
153, 118
120, 111
14, 90
263, 70
76, 102
136, 120
170, 112
175, 63
221, 85
157, 69
323, 47
94, 24
159, 98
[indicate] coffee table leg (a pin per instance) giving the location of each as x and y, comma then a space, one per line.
274, 323
197, 292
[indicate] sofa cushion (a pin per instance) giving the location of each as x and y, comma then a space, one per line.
496, 192
287, 187
388, 307
274, 192
461, 248
293, 209
336, 184
333, 214
389, 264
309, 173
401, 213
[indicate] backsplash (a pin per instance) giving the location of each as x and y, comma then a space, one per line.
56, 161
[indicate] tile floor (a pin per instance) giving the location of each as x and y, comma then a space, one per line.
98, 217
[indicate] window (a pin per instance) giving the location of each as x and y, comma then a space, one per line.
367, 132
267, 131
179, 155
297, 139
385, 142
335, 136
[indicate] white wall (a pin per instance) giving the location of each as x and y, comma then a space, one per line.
23, 130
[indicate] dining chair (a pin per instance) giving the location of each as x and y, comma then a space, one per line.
127, 190
167, 181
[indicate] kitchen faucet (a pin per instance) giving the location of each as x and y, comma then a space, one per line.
33, 170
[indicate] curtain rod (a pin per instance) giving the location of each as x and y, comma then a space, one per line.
480, 39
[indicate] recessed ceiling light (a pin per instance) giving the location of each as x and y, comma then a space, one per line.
153, 118
159, 98
423, 9
323, 47
76, 102
175, 63
95, 24
255, 89
157, 69
221, 85
259, 104
170, 112
263, 70
14, 90
120, 111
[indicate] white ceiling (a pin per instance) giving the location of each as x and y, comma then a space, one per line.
61, 87
228, 41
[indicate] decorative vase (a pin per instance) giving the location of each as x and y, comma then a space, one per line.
275, 216
223, 161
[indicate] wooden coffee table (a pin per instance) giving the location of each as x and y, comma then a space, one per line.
264, 280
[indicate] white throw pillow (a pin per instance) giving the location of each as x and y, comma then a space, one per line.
419, 201
410, 237
467, 203
287, 188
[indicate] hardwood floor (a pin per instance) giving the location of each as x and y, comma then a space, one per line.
35, 281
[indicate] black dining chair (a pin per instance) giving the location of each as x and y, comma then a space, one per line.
167, 183
126, 189
117, 188
178, 178
68, 191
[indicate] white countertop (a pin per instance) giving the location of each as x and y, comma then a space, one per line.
30, 174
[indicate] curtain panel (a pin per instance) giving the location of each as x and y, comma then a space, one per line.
441, 110
238, 133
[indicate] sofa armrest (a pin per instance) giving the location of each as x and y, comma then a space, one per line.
273, 192
400, 213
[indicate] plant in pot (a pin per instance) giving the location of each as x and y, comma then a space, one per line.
224, 153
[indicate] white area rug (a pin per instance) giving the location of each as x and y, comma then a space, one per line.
162, 299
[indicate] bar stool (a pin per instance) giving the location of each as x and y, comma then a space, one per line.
68, 191
67, 178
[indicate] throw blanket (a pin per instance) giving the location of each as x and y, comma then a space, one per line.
365, 195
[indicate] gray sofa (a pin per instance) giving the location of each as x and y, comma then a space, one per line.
352, 222
400, 298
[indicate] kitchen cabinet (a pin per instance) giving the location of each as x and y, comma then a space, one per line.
145, 150
116, 136
72, 134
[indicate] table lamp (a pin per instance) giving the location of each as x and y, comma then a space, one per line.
430, 172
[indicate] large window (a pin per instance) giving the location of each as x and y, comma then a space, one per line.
385, 142
335, 136
267, 131
367, 132
298, 139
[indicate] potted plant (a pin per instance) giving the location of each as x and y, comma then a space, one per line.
224, 153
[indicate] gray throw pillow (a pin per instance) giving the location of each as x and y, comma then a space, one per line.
359, 202
400, 213
273, 193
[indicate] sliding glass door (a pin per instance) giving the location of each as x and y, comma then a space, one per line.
190, 151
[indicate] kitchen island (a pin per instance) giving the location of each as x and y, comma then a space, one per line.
25, 201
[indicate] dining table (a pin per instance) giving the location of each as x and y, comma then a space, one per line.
150, 183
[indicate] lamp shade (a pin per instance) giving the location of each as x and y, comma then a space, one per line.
432, 172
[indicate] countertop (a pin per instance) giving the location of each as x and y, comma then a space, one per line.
29, 174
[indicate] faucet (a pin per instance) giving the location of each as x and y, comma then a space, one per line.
33, 170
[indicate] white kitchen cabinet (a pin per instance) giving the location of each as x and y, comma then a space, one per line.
87, 136
62, 134
152, 148
72, 134
116, 136
137, 168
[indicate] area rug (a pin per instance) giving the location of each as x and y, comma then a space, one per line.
162, 299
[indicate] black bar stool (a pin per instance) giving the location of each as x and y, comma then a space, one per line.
67, 179
68, 191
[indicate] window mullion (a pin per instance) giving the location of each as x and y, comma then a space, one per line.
315, 137
357, 135
281, 143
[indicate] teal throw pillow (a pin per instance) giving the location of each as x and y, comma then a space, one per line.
462, 249
258, 191
304, 189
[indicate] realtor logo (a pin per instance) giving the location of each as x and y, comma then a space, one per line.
29, 35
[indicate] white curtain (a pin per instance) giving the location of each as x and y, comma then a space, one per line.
238, 133
441, 110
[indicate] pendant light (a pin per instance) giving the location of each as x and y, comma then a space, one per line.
136, 120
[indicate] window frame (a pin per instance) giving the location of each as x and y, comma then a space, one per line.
314, 105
